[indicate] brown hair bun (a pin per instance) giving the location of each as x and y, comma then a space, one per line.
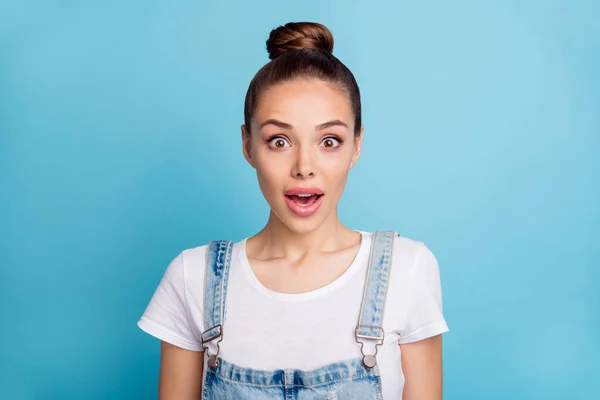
297, 36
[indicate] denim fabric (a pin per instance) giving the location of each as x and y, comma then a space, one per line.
373, 303
338, 381
348, 379
218, 260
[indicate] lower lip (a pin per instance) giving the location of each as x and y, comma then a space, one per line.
304, 211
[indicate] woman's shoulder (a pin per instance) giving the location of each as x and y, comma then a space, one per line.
194, 255
415, 282
410, 254
193, 259
407, 243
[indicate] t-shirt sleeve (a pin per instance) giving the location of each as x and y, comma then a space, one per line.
425, 318
167, 315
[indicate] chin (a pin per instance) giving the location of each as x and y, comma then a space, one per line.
301, 225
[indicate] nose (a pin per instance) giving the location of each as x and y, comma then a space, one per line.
304, 165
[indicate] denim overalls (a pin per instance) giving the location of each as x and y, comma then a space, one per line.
356, 378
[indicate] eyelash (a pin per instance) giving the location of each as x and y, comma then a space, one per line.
333, 137
271, 138
336, 138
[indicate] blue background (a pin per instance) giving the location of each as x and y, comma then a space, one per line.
120, 146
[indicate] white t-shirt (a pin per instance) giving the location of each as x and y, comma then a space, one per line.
269, 330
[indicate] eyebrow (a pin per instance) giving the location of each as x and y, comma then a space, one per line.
329, 124
277, 123
285, 125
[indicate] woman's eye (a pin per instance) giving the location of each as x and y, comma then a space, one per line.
331, 142
278, 143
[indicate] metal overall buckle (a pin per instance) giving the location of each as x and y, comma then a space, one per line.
369, 360
213, 359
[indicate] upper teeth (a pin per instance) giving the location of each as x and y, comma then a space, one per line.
304, 195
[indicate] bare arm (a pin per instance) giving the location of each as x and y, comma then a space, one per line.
422, 366
180, 373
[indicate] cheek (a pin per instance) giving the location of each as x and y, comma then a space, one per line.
340, 181
336, 167
269, 175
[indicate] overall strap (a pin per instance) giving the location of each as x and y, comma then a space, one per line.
373, 303
218, 260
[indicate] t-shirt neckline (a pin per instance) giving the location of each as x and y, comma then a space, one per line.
359, 259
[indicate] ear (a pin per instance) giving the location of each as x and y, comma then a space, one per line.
357, 146
246, 145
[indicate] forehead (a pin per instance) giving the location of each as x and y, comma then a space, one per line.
304, 102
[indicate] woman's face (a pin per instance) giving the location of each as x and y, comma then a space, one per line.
302, 146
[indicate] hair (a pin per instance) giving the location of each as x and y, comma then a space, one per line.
302, 50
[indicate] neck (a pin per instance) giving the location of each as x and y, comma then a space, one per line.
276, 240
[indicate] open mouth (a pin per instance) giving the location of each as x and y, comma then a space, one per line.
304, 199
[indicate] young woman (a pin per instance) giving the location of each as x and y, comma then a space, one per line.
306, 308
